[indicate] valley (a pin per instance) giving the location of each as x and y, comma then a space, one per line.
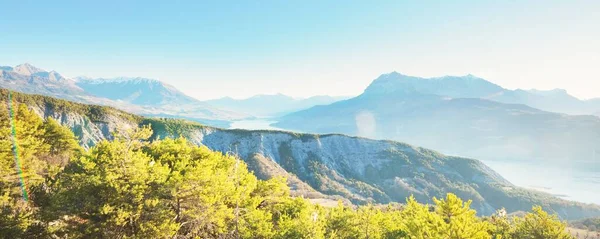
329, 166
513, 139
300, 119
510, 138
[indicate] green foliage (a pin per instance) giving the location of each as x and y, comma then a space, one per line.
460, 221
133, 187
538, 224
591, 224
115, 189
38, 145
60, 139
172, 128
62, 145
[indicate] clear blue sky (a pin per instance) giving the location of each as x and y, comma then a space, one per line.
211, 49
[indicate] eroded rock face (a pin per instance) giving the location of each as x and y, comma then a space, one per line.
360, 169
89, 132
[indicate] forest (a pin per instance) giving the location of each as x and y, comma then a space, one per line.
134, 187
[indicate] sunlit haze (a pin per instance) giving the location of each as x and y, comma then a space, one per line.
306, 48
300, 119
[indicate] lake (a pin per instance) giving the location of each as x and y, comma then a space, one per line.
564, 181
254, 124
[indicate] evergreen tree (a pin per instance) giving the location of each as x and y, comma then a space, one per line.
538, 224
460, 221
25, 168
113, 191
419, 222
342, 222
298, 218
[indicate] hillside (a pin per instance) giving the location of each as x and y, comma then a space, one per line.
434, 115
361, 170
588, 228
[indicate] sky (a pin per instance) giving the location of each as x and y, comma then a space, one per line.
211, 49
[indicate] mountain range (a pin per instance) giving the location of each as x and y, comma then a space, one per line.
557, 100
470, 86
138, 95
30, 79
460, 116
157, 99
134, 90
324, 167
151, 97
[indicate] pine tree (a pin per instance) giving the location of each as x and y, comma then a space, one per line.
342, 222
113, 190
461, 222
538, 224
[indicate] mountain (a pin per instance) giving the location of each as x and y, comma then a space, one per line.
431, 113
595, 104
27, 78
469, 86
27, 69
135, 90
139, 95
324, 167
451, 86
557, 100
157, 99
272, 105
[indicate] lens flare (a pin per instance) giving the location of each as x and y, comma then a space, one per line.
15, 148
366, 124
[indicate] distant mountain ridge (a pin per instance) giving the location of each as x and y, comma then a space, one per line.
470, 86
135, 90
30, 79
151, 97
272, 105
452, 86
135, 94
